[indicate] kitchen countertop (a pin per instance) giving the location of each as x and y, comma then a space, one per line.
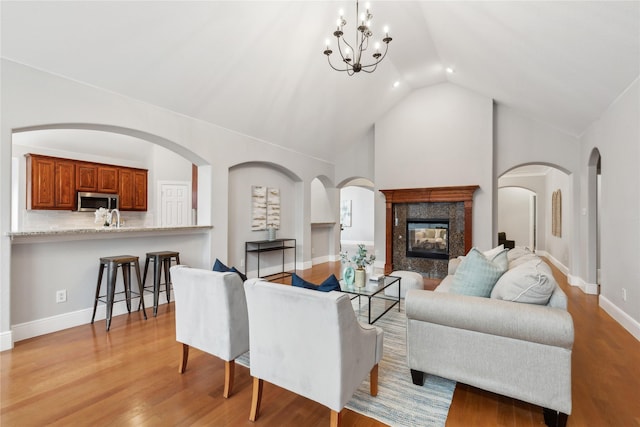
99, 233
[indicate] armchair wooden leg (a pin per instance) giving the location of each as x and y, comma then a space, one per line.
336, 418
256, 398
229, 369
184, 356
373, 381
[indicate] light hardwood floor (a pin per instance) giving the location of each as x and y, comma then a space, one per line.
85, 376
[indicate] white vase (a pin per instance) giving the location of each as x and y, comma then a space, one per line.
361, 278
271, 233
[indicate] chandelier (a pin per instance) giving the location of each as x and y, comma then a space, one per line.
351, 56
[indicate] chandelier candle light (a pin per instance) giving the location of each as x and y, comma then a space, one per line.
352, 55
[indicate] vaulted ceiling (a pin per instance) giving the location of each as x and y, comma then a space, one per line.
256, 67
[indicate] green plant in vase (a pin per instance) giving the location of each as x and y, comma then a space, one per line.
361, 259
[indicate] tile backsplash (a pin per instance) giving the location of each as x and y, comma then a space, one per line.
35, 220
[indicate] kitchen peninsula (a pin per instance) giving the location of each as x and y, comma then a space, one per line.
46, 261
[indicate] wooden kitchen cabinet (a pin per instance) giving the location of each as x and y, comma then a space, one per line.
86, 176
132, 189
107, 179
96, 178
51, 183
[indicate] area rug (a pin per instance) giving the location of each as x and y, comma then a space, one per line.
399, 401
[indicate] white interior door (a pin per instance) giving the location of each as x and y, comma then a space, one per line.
175, 203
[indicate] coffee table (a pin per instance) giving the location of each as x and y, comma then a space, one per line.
374, 290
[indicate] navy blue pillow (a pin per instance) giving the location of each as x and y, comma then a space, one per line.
242, 276
330, 284
219, 266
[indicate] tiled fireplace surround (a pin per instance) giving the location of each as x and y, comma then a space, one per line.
452, 203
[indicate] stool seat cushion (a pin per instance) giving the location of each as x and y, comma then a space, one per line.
408, 280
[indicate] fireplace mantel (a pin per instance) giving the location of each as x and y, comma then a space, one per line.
428, 195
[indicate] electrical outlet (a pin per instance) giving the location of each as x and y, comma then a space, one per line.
61, 296
624, 294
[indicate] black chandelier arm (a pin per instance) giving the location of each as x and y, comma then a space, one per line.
379, 60
348, 69
347, 45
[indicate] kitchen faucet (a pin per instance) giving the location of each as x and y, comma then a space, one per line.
116, 211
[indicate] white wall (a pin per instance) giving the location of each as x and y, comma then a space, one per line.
438, 136
241, 179
616, 135
323, 207
559, 248
362, 216
520, 141
35, 98
513, 214
537, 184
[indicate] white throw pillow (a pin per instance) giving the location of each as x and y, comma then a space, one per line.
531, 282
493, 252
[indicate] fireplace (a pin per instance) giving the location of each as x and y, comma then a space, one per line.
435, 208
428, 238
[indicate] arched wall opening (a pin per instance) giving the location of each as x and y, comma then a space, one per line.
517, 216
594, 199
324, 215
544, 180
166, 161
357, 214
243, 219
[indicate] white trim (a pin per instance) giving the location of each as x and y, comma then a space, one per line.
627, 322
587, 288
321, 259
57, 323
357, 242
560, 266
6, 341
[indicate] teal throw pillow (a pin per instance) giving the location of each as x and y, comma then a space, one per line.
476, 275
331, 283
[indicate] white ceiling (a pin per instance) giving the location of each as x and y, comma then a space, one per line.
257, 67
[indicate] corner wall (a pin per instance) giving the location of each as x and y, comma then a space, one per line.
617, 136
441, 135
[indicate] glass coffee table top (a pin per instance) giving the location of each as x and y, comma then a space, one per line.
374, 290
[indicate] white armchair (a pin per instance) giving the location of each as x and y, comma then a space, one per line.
310, 343
211, 315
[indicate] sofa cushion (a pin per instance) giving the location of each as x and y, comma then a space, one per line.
531, 282
331, 283
476, 275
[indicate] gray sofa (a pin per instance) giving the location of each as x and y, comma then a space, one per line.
520, 350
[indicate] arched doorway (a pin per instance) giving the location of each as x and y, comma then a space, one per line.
357, 218
594, 200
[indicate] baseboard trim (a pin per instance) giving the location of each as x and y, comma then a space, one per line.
72, 319
320, 260
560, 266
627, 322
587, 288
6, 341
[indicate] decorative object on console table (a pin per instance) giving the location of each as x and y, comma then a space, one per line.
361, 260
271, 233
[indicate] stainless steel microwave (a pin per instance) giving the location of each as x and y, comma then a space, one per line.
89, 202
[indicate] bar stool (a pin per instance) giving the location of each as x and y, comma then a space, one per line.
112, 263
161, 261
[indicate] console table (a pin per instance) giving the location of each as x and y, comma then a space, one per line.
259, 247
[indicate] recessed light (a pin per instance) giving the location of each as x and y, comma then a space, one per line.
396, 83
450, 70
